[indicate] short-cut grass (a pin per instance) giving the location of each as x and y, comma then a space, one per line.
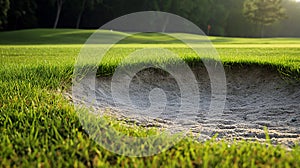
40, 128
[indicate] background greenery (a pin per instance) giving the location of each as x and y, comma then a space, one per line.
225, 17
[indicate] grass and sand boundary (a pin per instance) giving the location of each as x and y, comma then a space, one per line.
39, 126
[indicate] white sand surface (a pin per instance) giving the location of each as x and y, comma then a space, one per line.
256, 98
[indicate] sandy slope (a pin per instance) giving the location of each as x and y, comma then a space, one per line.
256, 97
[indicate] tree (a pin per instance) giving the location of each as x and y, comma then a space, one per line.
22, 14
218, 16
84, 5
59, 5
264, 12
198, 11
4, 7
236, 24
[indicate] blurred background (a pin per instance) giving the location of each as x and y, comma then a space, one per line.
236, 18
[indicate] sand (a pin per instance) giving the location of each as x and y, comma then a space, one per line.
256, 98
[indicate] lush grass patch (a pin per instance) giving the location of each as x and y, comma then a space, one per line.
39, 127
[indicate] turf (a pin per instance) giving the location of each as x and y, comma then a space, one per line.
40, 128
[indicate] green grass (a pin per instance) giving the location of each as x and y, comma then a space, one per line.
40, 128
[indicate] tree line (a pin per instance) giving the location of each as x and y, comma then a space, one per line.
243, 18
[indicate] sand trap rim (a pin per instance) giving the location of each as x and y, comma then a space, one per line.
151, 21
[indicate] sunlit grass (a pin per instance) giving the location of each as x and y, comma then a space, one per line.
39, 127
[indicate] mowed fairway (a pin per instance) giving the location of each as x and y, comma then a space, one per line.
39, 126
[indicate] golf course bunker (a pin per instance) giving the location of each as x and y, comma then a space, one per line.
256, 98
